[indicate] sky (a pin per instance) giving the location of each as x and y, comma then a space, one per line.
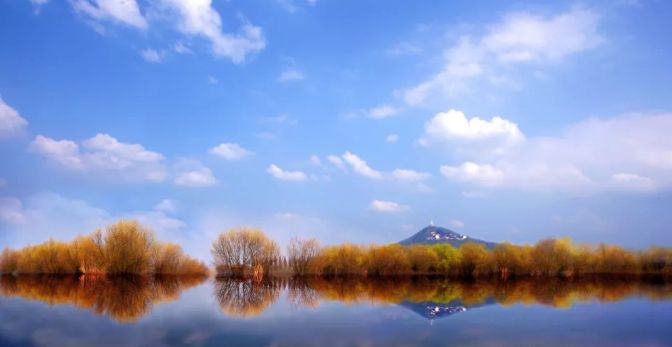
348, 121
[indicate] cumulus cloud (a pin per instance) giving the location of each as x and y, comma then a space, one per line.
126, 12
360, 166
199, 18
281, 174
629, 152
519, 39
455, 126
193, 174
291, 75
383, 111
387, 206
231, 151
105, 154
11, 121
392, 138
193, 18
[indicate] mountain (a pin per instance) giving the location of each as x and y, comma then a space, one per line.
433, 310
434, 234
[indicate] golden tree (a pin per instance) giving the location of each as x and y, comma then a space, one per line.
240, 251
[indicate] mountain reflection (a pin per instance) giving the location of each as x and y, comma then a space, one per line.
124, 298
431, 297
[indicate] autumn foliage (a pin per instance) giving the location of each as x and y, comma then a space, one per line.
547, 258
239, 250
123, 248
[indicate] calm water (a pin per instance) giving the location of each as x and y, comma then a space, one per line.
198, 312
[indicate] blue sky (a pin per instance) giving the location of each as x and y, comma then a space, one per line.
351, 121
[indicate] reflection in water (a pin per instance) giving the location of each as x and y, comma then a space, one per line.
432, 298
245, 297
124, 299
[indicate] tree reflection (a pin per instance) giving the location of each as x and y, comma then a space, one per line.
122, 298
246, 297
435, 297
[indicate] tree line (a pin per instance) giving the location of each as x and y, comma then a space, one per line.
249, 252
127, 247
123, 248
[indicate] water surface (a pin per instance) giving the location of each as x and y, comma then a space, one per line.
174, 311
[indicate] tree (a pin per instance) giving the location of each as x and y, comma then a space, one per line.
387, 260
449, 258
128, 248
8, 261
474, 259
300, 253
422, 259
242, 250
507, 260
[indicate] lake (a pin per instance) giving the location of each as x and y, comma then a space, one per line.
175, 311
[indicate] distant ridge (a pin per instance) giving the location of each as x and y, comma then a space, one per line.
432, 234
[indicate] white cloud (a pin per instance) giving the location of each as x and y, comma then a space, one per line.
212, 80
281, 174
472, 172
11, 121
105, 154
383, 111
152, 56
337, 161
193, 174
360, 166
231, 151
126, 12
39, 2
387, 206
199, 18
519, 39
630, 152
405, 175
525, 37
193, 18
291, 75
392, 138
454, 125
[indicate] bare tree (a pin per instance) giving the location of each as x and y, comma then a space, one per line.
239, 251
300, 253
